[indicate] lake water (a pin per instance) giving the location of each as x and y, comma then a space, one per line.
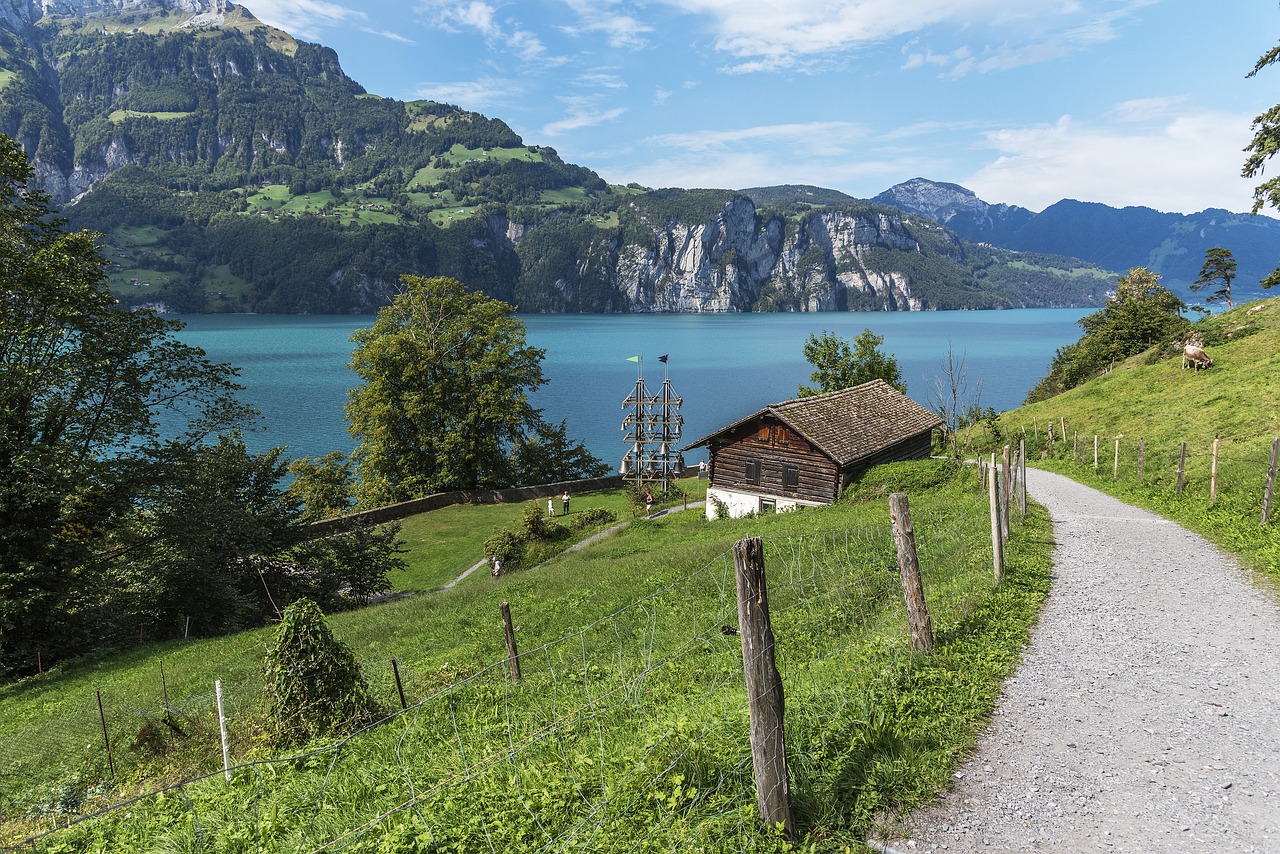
726, 366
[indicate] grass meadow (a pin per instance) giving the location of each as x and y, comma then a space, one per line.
627, 730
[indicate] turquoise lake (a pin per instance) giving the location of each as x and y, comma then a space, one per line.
725, 366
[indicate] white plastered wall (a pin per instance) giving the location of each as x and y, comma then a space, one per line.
742, 504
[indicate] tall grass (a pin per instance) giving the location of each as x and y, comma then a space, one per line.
628, 729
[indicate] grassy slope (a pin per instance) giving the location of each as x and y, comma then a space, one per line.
851, 763
1237, 401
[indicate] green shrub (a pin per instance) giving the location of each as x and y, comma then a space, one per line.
907, 476
314, 686
506, 546
594, 517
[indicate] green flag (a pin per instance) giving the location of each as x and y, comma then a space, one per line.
633, 358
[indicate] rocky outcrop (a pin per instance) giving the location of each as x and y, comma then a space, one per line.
958, 208
741, 261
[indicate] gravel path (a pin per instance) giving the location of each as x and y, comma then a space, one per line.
1145, 716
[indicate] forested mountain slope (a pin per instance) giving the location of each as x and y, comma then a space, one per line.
234, 168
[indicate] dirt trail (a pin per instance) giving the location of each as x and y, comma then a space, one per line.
1145, 716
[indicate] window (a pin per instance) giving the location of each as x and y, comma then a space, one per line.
753, 472
790, 478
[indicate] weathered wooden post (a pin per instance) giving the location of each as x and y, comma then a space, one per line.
997, 539
764, 688
222, 730
1142, 447
513, 656
1022, 478
1182, 468
1095, 453
1115, 463
1075, 445
1062, 422
904, 537
1035, 427
1213, 474
1271, 481
1007, 485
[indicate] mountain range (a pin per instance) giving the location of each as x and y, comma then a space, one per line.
232, 167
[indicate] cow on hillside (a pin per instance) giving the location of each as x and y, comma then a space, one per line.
1195, 357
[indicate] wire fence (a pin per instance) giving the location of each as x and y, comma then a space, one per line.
1236, 473
629, 733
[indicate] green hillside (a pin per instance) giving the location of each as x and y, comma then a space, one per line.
629, 721
1151, 399
265, 179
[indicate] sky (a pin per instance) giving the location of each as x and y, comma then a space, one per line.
1025, 102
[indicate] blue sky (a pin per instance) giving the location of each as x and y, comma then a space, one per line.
1125, 102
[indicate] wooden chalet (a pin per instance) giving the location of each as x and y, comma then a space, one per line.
803, 452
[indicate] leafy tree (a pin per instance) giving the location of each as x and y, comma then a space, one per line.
837, 365
212, 540
1265, 143
324, 485
1219, 268
314, 685
446, 377
1140, 315
549, 455
81, 385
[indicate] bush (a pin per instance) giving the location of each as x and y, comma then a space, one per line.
314, 685
594, 517
506, 546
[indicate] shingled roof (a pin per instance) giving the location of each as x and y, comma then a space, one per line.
849, 424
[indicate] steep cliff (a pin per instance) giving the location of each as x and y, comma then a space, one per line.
709, 251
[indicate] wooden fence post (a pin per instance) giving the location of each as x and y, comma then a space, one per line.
1095, 453
997, 539
1271, 481
1075, 445
1142, 447
106, 739
1115, 463
1062, 422
1006, 483
222, 730
395, 670
508, 630
1182, 468
764, 688
1213, 474
1035, 427
1022, 476
904, 537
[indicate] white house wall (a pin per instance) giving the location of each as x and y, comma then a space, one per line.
741, 504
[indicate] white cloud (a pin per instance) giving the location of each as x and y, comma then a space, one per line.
1146, 152
582, 112
600, 16
661, 96
479, 95
768, 35
482, 18
302, 18
814, 138
386, 34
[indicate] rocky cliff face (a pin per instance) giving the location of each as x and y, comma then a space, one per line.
740, 261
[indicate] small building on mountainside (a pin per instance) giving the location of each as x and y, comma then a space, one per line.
803, 452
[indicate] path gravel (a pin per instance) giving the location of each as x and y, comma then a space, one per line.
1145, 716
